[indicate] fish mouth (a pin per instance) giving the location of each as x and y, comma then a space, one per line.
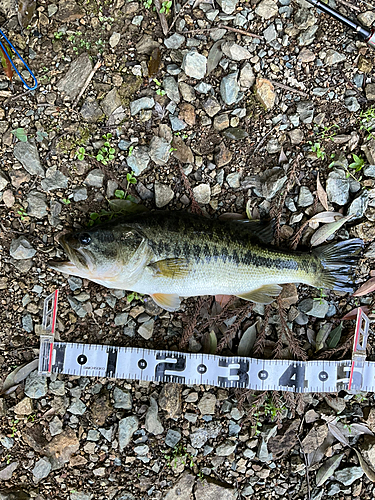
80, 258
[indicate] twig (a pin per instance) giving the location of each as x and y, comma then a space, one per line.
195, 208
87, 82
350, 5
291, 89
17, 96
178, 15
222, 26
263, 139
163, 20
231, 332
294, 345
307, 469
261, 338
192, 323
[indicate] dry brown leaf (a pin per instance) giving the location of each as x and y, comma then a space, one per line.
223, 299
19, 374
370, 473
353, 313
26, 10
322, 195
366, 288
5, 62
314, 438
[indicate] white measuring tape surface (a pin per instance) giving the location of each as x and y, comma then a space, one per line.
89, 360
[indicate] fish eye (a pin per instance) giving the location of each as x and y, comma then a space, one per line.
84, 238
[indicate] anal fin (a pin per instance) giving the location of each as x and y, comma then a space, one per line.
170, 302
262, 295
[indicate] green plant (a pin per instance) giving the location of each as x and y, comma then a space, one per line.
134, 296
326, 132
81, 153
166, 7
130, 152
22, 213
20, 134
58, 35
179, 454
13, 427
367, 121
147, 4
106, 152
316, 148
159, 90
357, 164
321, 296
66, 201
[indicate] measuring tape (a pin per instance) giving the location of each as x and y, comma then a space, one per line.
90, 360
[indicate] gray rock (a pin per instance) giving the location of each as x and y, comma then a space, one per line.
6, 473
266, 9
41, 469
121, 319
146, 329
273, 146
262, 452
57, 388
317, 308
199, 438
272, 181
226, 449
296, 136
369, 171
183, 488
107, 433
75, 283
79, 194
352, 104
90, 110
305, 110
270, 33
211, 106
143, 103
171, 88
80, 495
358, 206
229, 88
93, 435
247, 76
305, 198
159, 150
77, 307
207, 404
172, 438
203, 88
175, 41
27, 154
152, 422
307, 37
111, 102
55, 426
202, 193
227, 6
194, 64
95, 178
304, 18
349, 475
367, 18
163, 194
76, 76
233, 180
7, 442
3, 181
54, 180
122, 399
127, 427
125, 496
337, 187
77, 407
176, 123
235, 51
187, 92
20, 249
233, 429
139, 159
332, 57
36, 204
27, 323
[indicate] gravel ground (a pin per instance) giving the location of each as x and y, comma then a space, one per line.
226, 109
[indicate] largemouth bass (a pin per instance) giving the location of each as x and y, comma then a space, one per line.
169, 255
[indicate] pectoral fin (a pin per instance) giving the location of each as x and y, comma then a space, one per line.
171, 268
170, 302
262, 295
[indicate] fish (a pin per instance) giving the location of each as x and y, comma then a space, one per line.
173, 255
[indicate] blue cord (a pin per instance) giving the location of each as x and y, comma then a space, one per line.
15, 69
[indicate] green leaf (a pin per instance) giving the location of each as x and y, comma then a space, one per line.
112, 151
119, 193
334, 337
20, 134
94, 216
327, 469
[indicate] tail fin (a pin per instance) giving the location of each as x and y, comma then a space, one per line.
338, 261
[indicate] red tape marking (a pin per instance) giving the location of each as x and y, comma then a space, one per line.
54, 312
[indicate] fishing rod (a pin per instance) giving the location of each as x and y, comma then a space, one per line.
367, 34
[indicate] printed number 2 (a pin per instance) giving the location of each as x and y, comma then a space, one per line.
294, 376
